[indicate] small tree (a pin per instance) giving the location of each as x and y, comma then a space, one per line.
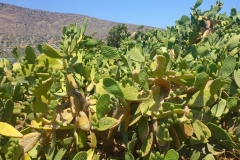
116, 34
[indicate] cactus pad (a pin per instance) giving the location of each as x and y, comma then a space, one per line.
201, 130
109, 52
237, 77
43, 88
102, 105
112, 87
228, 66
135, 54
143, 128
202, 98
143, 79
30, 55
201, 80
217, 109
82, 155
50, 51
221, 136
9, 131
146, 146
171, 155
104, 123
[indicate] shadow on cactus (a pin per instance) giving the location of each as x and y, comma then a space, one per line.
170, 94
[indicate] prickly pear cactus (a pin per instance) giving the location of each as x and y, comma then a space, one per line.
162, 94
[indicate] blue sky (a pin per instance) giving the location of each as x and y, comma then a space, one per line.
156, 13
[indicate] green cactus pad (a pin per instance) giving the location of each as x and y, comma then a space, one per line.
221, 136
43, 88
232, 103
154, 52
90, 54
197, 4
136, 117
8, 110
170, 42
215, 86
202, 51
50, 51
132, 143
218, 109
91, 42
111, 86
201, 131
17, 94
209, 157
143, 128
127, 61
60, 153
233, 42
135, 54
39, 107
146, 146
195, 154
212, 67
99, 88
73, 45
237, 77
109, 52
228, 66
130, 93
27, 70
171, 155
160, 135
102, 105
30, 55
46, 61
233, 12
194, 51
82, 138
105, 123
143, 79
82, 155
202, 98
159, 36
177, 50
16, 54
201, 116
149, 105
201, 80
128, 156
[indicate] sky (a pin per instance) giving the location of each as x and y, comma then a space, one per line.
155, 13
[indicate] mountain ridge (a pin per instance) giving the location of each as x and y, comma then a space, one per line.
23, 26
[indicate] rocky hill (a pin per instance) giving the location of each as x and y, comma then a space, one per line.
22, 26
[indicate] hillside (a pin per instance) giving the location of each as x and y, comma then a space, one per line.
22, 26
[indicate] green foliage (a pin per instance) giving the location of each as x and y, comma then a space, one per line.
152, 95
116, 34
